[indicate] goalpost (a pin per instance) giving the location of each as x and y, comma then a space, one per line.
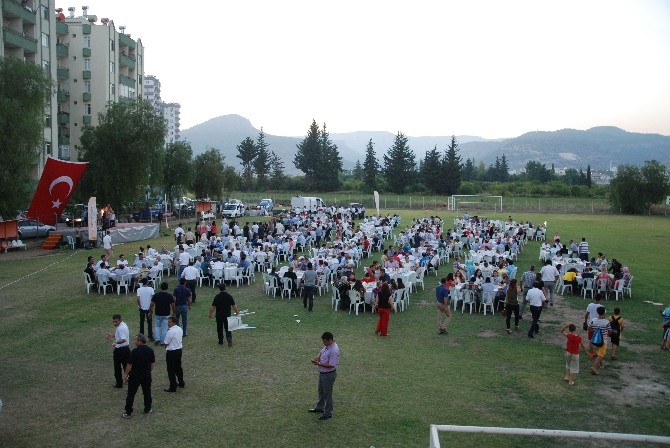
458, 202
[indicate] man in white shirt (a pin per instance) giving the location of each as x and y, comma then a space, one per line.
144, 295
107, 244
190, 274
549, 277
177, 231
141, 262
173, 348
120, 341
122, 261
184, 258
536, 299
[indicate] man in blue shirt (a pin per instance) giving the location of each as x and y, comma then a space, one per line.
443, 306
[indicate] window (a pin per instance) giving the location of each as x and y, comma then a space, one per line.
87, 64
111, 67
111, 44
47, 120
87, 109
87, 41
45, 40
46, 67
45, 12
87, 86
47, 147
112, 90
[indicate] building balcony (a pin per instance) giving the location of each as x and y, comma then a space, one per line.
64, 152
64, 141
62, 73
86, 97
86, 74
86, 52
86, 28
14, 9
125, 40
87, 119
126, 81
61, 28
62, 50
62, 96
128, 61
15, 39
126, 100
63, 118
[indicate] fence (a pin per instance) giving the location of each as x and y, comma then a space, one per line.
436, 429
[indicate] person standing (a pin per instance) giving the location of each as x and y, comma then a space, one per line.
138, 373
144, 295
120, 341
549, 277
183, 258
326, 361
573, 343
182, 302
309, 282
527, 280
173, 351
600, 324
162, 306
107, 244
512, 305
384, 307
190, 274
536, 299
616, 328
443, 306
222, 303
583, 248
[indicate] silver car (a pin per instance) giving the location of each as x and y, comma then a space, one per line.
30, 228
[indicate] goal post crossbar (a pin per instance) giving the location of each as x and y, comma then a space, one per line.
453, 200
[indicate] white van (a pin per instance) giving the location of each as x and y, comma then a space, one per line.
307, 203
233, 210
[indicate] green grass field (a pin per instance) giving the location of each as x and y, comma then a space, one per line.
56, 376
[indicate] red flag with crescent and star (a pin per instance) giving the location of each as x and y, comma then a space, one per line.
58, 181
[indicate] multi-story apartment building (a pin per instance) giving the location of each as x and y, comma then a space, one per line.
169, 111
91, 64
29, 33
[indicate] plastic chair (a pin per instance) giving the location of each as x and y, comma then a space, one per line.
122, 282
88, 282
70, 241
618, 290
288, 287
487, 301
217, 276
468, 299
103, 284
356, 301
602, 287
629, 287
335, 301
587, 287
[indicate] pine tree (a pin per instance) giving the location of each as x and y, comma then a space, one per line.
370, 167
430, 171
589, 183
247, 153
262, 160
399, 165
469, 170
504, 169
329, 165
308, 156
451, 168
358, 170
277, 170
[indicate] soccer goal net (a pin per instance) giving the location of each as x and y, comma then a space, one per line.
474, 202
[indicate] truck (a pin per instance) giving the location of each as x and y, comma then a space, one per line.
307, 203
233, 209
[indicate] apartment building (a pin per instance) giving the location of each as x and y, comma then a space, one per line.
90, 62
169, 111
29, 33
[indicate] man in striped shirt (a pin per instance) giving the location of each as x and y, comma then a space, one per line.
527, 280
583, 250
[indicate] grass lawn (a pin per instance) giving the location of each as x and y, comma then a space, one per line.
56, 376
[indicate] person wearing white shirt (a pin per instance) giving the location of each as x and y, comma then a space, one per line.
184, 258
549, 276
120, 341
536, 299
190, 274
151, 251
173, 352
107, 244
122, 261
144, 295
177, 231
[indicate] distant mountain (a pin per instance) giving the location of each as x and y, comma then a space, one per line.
566, 148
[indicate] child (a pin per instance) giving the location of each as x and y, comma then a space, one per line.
574, 342
616, 328
665, 344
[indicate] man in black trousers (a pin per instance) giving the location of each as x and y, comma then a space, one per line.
138, 373
223, 302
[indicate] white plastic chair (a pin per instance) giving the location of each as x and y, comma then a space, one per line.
271, 286
487, 301
561, 286
239, 276
70, 241
468, 299
122, 282
419, 278
103, 284
217, 276
629, 288
88, 282
587, 287
618, 290
602, 287
335, 301
399, 299
356, 301
287, 287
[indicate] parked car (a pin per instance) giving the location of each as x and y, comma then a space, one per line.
357, 209
266, 204
30, 228
147, 214
74, 216
233, 209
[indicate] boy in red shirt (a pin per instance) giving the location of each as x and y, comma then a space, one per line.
574, 341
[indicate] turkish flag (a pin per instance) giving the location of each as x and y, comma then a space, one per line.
54, 189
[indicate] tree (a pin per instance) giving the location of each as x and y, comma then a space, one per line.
277, 170
358, 170
537, 172
589, 182
370, 167
430, 171
125, 152
319, 158
452, 169
330, 164
399, 165
262, 161
469, 171
634, 190
24, 91
247, 151
209, 180
177, 169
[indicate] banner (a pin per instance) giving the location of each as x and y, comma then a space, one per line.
92, 217
377, 202
58, 181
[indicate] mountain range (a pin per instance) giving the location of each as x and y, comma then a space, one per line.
600, 147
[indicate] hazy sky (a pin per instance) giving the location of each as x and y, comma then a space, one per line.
478, 67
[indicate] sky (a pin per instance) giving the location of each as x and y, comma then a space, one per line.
486, 68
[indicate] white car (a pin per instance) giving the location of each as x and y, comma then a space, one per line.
233, 210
